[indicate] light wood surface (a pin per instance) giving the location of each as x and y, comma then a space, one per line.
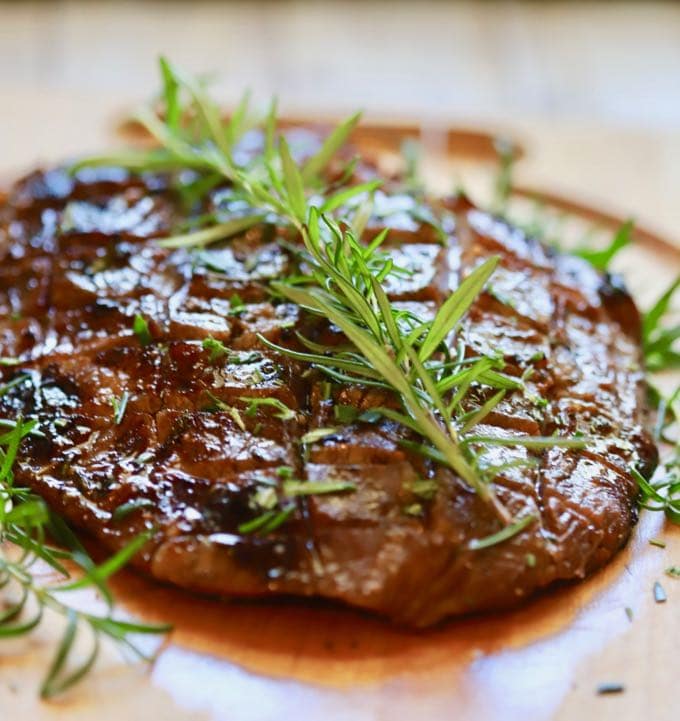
256, 662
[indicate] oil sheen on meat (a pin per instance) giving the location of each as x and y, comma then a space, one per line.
79, 259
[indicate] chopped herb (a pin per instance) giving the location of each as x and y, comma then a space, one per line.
317, 434
257, 377
119, 407
9, 361
663, 495
221, 231
236, 416
125, 509
284, 472
503, 535
673, 571
424, 488
506, 155
610, 688
657, 542
216, 348
236, 304
7, 387
284, 413
216, 404
265, 498
411, 152
267, 522
253, 357
629, 613
414, 509
326, 388
372, 415
659, 593
535, 442
530, 560
601, 259
345, 414
140, 326
295, 488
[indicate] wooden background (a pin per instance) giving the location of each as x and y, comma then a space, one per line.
605, 75
592, 92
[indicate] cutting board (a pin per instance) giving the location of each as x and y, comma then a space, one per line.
240, 661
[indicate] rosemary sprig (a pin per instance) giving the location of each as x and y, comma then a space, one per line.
343, 274
660, 346
659, 342
25, 524
601, 258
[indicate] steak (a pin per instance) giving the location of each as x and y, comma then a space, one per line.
160, 433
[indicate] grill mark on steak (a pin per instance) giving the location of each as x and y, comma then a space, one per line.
79, 261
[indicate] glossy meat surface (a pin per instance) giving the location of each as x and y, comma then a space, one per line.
189, 454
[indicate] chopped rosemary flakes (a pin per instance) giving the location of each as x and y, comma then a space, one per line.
125, 509
140, 327
317, 434
283, 412
424, 488
659, 593
119, 407
504, 534
610, 687
216, 348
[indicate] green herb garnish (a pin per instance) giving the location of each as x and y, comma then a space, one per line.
660, 343
343, 275
119, 407
25, 522
267, 522
345, 414
125, 509
503, 535
317, 434
295, 488
140, 327
659, 593
216, 348
611, 687
283, 412
601, 259
424, 488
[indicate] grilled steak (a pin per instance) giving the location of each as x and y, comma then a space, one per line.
161, 435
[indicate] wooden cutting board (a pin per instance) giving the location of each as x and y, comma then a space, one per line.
311, 661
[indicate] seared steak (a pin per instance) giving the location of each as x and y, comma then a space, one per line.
160, 435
